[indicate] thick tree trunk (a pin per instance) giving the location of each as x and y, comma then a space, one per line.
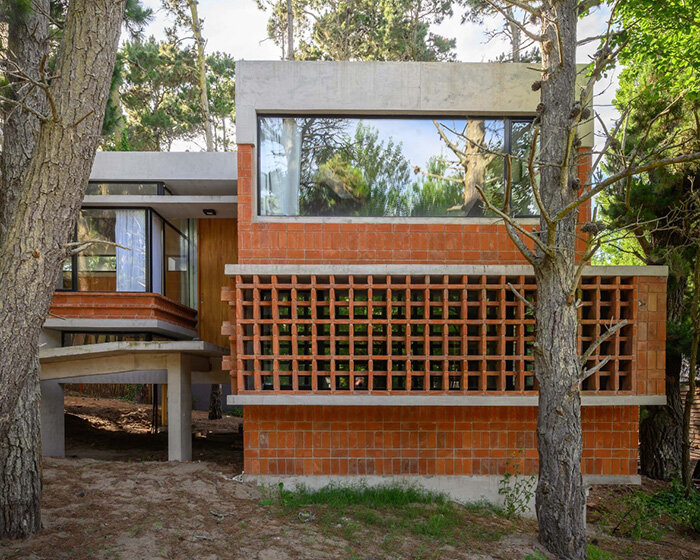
37, 232
20, 466
560, 497
690, 395
661, 427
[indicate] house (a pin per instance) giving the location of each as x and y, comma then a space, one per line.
370, 315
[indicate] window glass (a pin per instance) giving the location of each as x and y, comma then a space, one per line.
122, 189
119, 266
176, 265
333, 166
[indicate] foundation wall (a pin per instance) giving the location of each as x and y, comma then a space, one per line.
429, 440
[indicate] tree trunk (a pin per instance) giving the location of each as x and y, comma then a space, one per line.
215, 410
660, 430
560, 497
515, 36
202, 75
20, 466
38, 229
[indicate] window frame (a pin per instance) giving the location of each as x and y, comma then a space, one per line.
150, 213
507, 120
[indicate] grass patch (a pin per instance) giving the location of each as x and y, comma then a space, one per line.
393, 516
650, 516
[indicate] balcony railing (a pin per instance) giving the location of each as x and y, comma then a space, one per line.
404, 330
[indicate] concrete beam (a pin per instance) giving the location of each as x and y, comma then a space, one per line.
53, 430
179, 408
119, 325
431, 400
398, 88
428, 270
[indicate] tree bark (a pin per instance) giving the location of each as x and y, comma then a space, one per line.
692, 371
34, 243
215, 410
560, 497
202, 75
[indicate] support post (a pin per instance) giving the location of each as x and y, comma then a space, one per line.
180, 408
53, 429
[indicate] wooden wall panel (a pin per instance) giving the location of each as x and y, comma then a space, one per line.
217, 246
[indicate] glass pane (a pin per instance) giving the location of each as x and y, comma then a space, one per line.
65, 280
522, 201
176, 266
105, 267
333, 166
122, 188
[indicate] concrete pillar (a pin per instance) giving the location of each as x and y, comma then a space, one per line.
179, 408
53, 428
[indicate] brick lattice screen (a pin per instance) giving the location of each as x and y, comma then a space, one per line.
406, 334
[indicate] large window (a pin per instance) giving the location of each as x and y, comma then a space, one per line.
130, 250
94, 188
393, 167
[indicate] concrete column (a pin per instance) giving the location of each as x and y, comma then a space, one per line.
179, 408
53, 429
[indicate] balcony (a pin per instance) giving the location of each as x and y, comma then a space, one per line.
122, 312
405, 334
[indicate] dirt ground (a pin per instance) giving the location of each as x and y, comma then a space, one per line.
114, 497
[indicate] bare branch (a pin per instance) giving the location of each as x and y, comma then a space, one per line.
516, 23
37, 114
602, 338
600, 365
79, 246
520, 296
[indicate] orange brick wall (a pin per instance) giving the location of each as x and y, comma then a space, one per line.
651, 336
333, 242
382, 440
122, 305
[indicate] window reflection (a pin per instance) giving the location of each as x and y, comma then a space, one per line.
120, 264
333, 166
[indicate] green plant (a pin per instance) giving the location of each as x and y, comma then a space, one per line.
517, 490
536, 556
651, 516
595, 553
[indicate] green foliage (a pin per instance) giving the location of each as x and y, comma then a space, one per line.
651, 516
158, 95
667, 36
363, 29
517, 490
439, 190
595, 553
221, 92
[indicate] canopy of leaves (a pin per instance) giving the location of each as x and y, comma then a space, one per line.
665, 35
363, 29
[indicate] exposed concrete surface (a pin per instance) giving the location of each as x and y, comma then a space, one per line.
211, 173
53, 430
316, 399
384, 88
431, 270
460, 488
179, 408
119, 325
170, 206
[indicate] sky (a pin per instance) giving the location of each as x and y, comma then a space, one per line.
239, 28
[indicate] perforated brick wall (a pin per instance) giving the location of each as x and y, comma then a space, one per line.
363, 440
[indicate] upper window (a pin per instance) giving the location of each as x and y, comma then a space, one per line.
390, 167
126, 189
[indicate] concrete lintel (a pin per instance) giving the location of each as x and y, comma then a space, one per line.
119, 325
148, 377
169, 206
471, 221
428, 270
431, 400
398, 88
460, 488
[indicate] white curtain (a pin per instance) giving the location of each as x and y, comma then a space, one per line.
281, 180
130, 231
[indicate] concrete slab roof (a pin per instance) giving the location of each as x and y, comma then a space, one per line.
186, 173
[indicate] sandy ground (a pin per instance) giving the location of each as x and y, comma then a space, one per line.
115, 498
